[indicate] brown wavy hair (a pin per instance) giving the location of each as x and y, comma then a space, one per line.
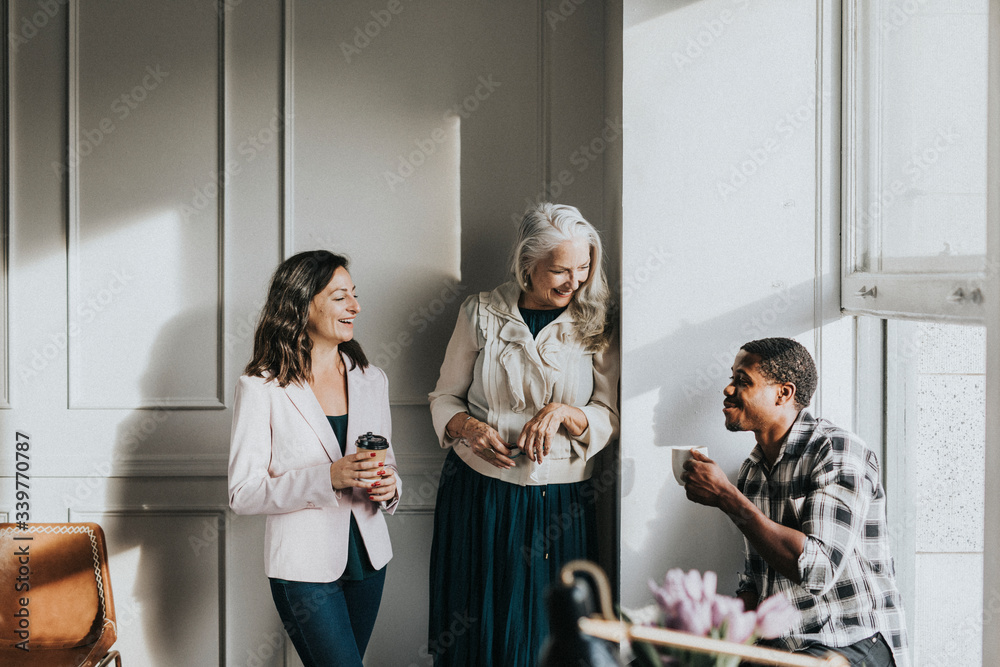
281, 345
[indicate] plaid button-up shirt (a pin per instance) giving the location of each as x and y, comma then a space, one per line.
826, 484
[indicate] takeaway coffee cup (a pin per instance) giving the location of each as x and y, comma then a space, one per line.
679, 456
375, 444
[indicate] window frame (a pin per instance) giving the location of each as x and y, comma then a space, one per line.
991, 537
953, 297
924, 296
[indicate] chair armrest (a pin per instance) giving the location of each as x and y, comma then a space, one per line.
106, 660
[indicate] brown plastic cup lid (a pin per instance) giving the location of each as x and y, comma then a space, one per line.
369, 441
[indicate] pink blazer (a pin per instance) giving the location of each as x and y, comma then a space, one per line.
279, 465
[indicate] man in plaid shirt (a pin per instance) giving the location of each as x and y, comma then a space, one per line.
810, 504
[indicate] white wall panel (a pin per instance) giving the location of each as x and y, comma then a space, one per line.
37, 206
400, 635
578, 130
145, 222
415, 141
169, 582
257, 125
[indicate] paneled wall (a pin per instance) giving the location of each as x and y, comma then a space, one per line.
164, 157
134, 241
163, 160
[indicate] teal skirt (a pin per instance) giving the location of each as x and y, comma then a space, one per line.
497, 546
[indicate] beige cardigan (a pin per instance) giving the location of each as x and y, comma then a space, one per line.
497, 372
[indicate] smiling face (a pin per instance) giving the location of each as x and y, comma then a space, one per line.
557, 277
751, 400
332, 311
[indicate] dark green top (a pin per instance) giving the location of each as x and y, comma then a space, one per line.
539, 319
358, 564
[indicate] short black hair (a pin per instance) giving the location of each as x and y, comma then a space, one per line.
785, 360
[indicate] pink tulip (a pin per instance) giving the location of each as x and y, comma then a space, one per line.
690, 602
724, 607
693, 586
694, 617
709, 583
776, 616
740, 627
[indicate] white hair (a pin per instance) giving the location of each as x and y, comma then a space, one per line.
542, 230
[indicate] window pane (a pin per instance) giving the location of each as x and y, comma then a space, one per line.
921, 140
944, 492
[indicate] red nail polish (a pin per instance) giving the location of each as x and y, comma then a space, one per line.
380, 464
371, 497
373, 453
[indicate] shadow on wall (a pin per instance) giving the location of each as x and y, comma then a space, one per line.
684, 375
691, 367
175, 587
640, 13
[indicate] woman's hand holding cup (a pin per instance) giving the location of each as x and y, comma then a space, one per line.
356, 470
384, 488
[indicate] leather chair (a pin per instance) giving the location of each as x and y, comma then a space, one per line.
56, 597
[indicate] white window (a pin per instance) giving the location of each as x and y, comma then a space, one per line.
921, 241
915, 125
935, 456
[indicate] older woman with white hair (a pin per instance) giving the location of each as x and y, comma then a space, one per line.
526, 397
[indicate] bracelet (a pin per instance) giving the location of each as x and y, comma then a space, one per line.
461, 426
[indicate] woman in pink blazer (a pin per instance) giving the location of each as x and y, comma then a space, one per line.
306, 396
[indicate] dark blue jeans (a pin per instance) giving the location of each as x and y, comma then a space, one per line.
329, 623
871, 652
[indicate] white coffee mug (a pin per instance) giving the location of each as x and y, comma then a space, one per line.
679, 456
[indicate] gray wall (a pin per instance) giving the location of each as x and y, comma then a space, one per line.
207, 141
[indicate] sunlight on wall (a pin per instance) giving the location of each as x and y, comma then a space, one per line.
139, 293
124, 568
725, 240
452, 151
638, 430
